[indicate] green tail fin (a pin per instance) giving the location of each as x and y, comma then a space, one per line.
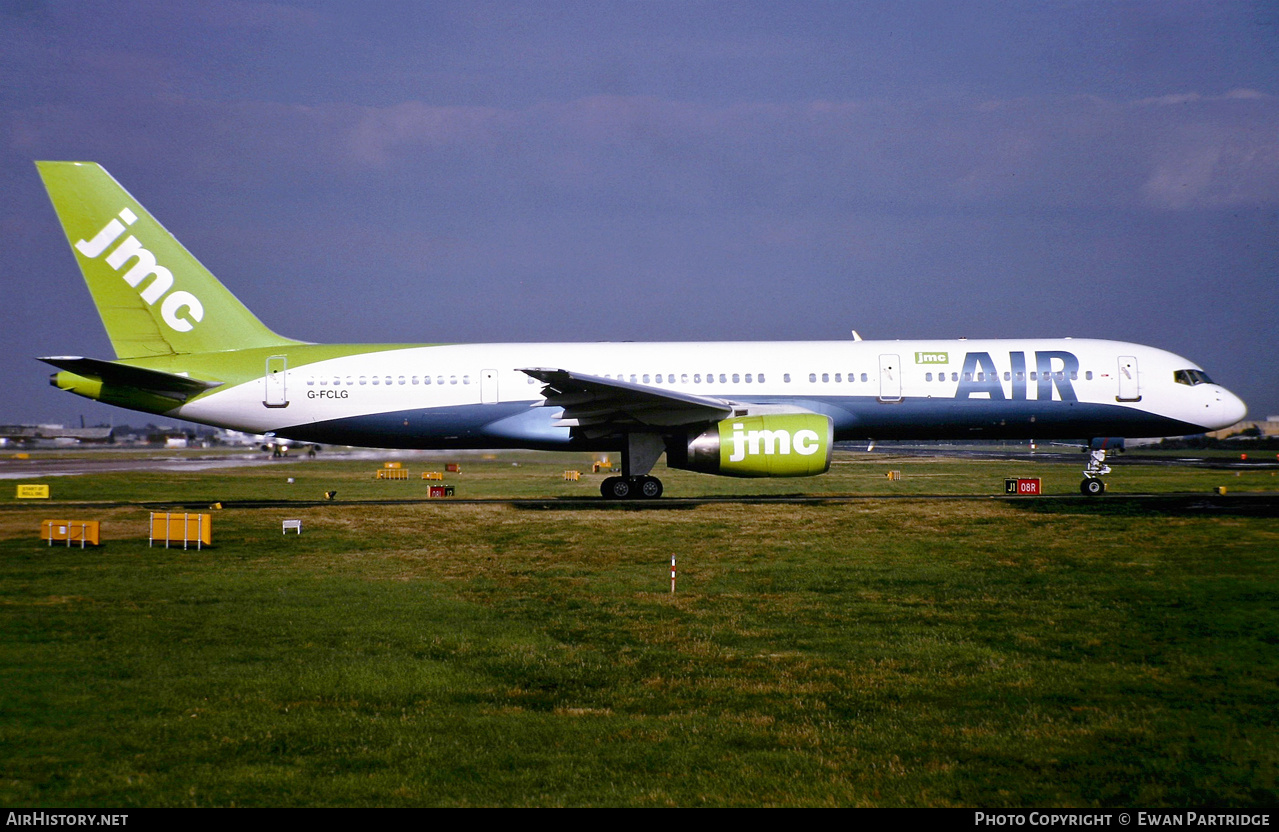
153, 296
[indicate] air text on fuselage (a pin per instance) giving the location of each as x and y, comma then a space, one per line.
1051, 377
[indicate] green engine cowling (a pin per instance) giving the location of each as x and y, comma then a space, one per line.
772, 445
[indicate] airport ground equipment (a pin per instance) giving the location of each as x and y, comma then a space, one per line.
180, 527
433, 475
71, 532
572, 476
296, 525
391, 474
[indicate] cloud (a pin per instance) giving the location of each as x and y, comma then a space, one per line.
1174, 152
380, 133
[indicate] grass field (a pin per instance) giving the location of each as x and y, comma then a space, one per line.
906, 652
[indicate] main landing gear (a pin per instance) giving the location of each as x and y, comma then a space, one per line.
1097, 468
631, 488
639, 455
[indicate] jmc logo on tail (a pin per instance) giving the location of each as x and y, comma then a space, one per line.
175, 303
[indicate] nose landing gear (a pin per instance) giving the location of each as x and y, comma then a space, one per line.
1097, 468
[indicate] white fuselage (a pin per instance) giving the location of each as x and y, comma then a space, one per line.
878, 389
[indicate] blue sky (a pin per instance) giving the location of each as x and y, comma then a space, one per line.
518, 171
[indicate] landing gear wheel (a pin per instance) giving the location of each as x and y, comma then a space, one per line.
1092, 487
627, 488
616, 488
650, 488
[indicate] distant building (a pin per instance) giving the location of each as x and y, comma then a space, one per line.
1269, 427
37, 434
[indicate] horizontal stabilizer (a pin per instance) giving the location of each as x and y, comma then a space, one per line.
110, 372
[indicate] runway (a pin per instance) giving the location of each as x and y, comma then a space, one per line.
38, 466
1251, 504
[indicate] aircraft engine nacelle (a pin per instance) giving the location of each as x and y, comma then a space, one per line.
773, 445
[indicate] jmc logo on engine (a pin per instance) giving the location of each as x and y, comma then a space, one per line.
775, 445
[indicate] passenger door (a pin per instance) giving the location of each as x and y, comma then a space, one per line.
1129, 380
890, 378
488, 386
276, 369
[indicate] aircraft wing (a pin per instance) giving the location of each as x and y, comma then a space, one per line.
156, 381
592, 402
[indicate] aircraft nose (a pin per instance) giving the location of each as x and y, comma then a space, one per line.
1232, 409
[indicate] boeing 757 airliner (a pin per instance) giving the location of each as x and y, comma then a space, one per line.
185, 347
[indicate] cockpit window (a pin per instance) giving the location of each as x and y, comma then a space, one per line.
1191, 377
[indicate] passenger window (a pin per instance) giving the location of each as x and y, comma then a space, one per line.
736, 378
812, 378
864, 378
697, 378
786, 377
837, 377
761, 378
646, 378
928, 376
825, 378
748, 378
452, 379
466, 379
1088, 375
683, 378
723, 379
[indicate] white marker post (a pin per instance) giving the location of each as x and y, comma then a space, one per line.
672, 574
